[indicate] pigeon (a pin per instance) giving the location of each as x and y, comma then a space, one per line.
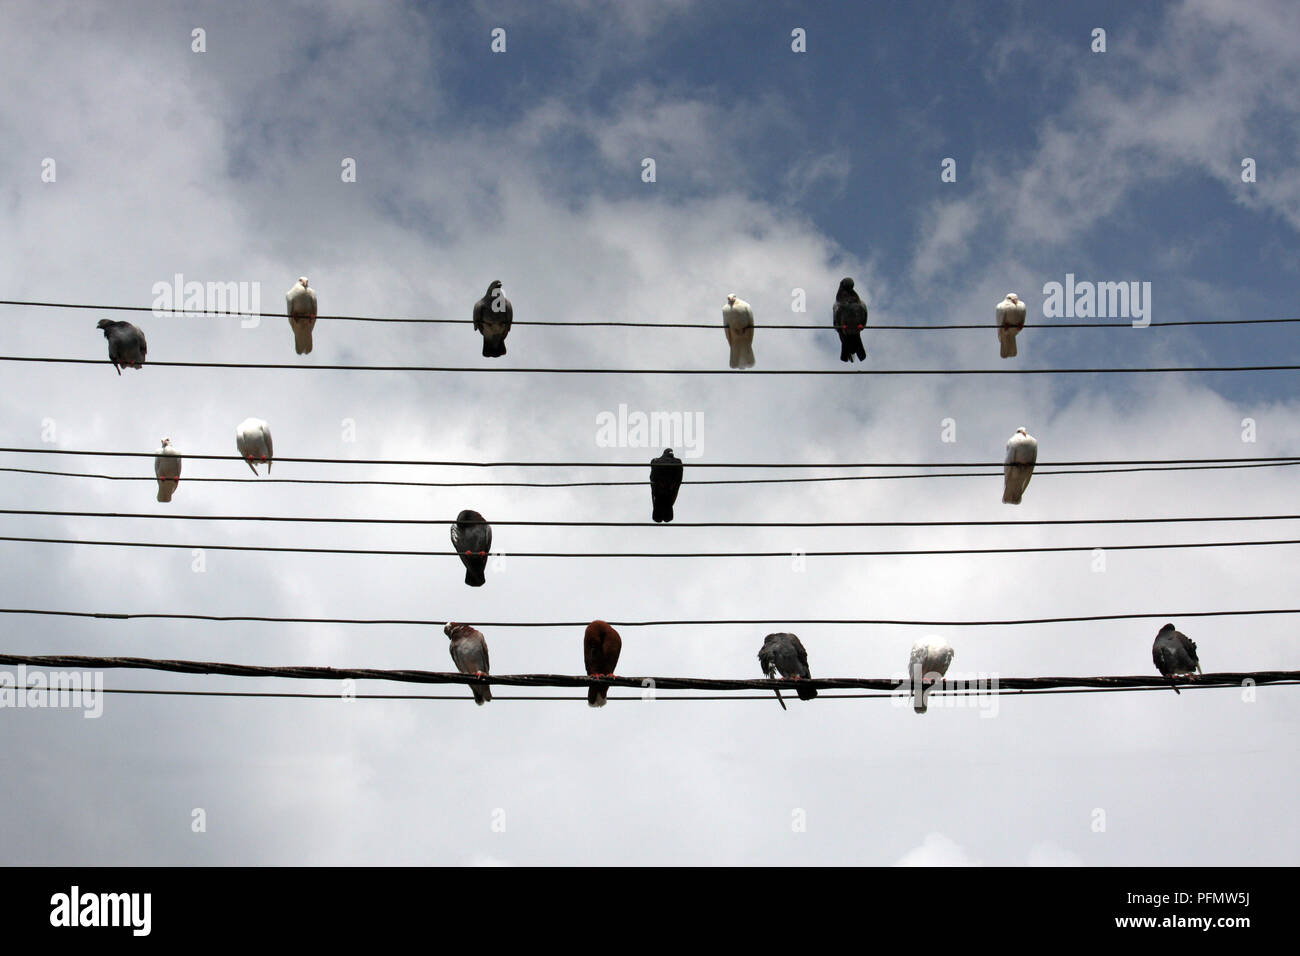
665, 482
301, 303
126, 344
1011, 319
492, 316
850, 317
253, 438
1022, 452
600, 649
469, 650
167, 469
1174, 654
738, 323
929, 661
471, 536
784, 654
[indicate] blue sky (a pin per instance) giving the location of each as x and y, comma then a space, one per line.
775, 171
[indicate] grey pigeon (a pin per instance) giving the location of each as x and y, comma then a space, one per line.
471, 536
469, 651
1174, 654
665, 482
850, 317
126, 344
784, 654
492, 317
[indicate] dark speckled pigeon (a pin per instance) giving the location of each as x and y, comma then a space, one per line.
492, 317
471, 536
665, 482
850, 317
784, 654
601, 646
126, 344
1174, 654
469, 651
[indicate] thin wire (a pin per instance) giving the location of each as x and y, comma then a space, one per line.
1035, 522
170, 313
642, 483
1013, 622
657, 697
443, 463
861, 371
649, 554
975, 686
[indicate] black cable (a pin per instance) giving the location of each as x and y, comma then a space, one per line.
169, 313
649, 554
1034, 522
690, 466
475, 369
771, 622
642, 483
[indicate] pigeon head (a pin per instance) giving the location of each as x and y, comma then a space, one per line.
493, 286
1022, 431
166, 442
105, 324
846, 284
449, 627
731, 298
1167, 628
302, 281
1013, 297
668, 452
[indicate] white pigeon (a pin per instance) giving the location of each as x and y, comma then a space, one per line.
253, 437
1022, 452
1011, 319
738, 323
929, 661
301, 303
167, 469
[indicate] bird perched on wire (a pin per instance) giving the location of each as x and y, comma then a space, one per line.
301, 303
665, 482
1011, 319
471, 536
167, 469
929, 662
253, 439
126, 345
492, 317
469, 652
1174, 654
1018, 465
849, 315
738, 323
784, 654
601, 646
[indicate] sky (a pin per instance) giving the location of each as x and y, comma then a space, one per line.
775, 171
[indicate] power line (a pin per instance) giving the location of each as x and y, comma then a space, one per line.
1005, 622
389, 552
642, 483
477, 369
690, 465
313, 672
1000, 692
227, 313
1035, 522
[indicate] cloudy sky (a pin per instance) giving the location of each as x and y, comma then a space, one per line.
775, 171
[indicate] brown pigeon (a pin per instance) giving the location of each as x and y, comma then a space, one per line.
469, 651
600, 649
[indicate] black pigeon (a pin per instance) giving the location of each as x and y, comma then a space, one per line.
665, 482
1174, 654
784, 654
126, 344
492, 317
850, 318
471, 536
